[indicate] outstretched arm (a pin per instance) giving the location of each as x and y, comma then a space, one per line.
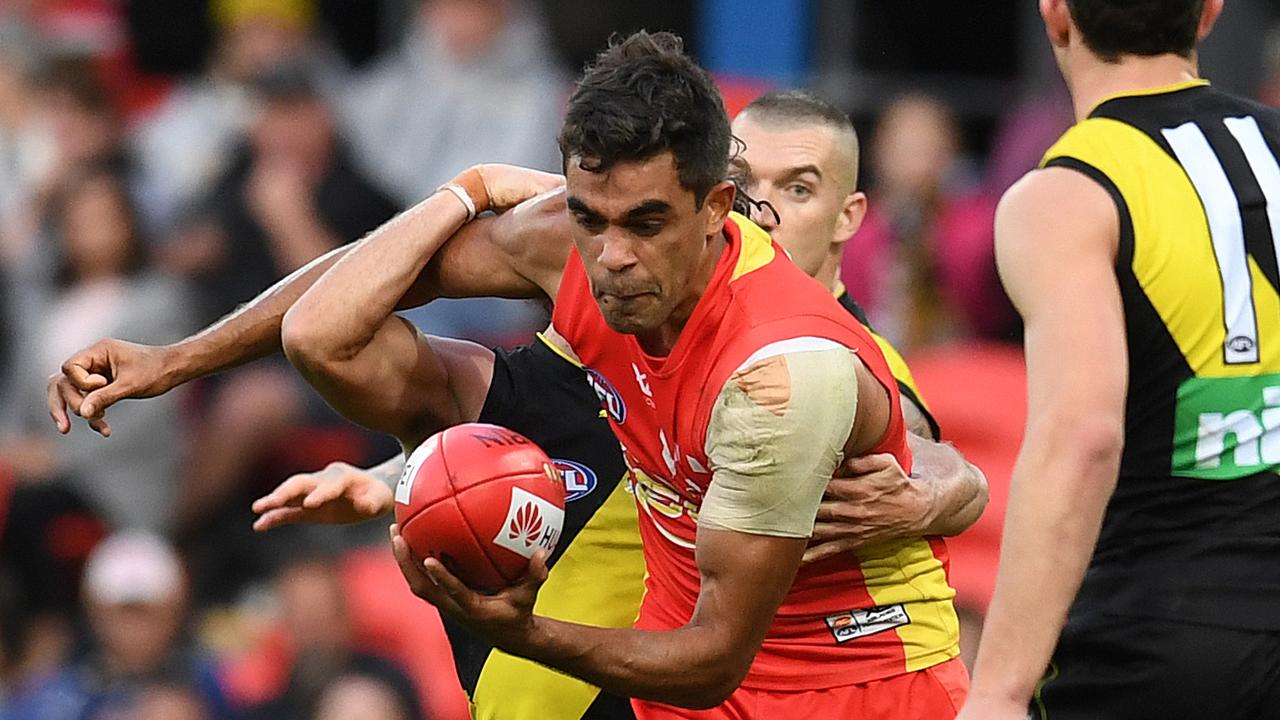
481, 259
1061, 277
443, 382
374, 367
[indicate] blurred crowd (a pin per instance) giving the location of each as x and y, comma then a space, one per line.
143, 205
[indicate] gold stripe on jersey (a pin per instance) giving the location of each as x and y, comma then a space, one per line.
757, 247
898, 366
1158, 90
1173, 258
907, 573
553, 347
598, 581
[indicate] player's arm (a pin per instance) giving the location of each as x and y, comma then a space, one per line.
374, 367
1061, 278
440, 383
872, 499
775, 438
339, 494
483, 258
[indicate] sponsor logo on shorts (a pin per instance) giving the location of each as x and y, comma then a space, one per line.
579, 480
609, 396
531, 524
854, 624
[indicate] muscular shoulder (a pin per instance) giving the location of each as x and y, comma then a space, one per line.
1029, 217
777, 431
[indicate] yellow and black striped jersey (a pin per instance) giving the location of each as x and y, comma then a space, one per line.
897, 363
1193, 530
597, 570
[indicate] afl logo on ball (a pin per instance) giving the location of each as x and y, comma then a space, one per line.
609, 396
579, 480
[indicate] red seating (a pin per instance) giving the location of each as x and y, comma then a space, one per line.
978, 393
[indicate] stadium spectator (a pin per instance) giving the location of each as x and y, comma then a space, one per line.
135, 600
101, 283
185, 145
923, 263
365, 697
168, 701
290, 195
69, 126
320, 654
35, 642
26, 140
473, 82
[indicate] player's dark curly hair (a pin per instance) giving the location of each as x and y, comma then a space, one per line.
1112, 28
644, 96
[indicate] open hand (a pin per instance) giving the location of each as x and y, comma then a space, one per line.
337, 495
504, 619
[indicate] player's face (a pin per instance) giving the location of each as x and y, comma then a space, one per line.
642, 239
798, 170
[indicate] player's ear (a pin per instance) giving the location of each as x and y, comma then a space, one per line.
1208, 16
851, 216
1057, 22
718, 203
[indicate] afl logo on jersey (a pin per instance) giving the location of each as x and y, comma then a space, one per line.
579, 480
609, 396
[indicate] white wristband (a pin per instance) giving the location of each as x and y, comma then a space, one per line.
463, 198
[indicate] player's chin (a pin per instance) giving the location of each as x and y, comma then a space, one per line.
631, 315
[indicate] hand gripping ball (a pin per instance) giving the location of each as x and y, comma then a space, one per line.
482, 500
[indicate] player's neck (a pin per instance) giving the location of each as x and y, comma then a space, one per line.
662, 340
829, 273
1093, 81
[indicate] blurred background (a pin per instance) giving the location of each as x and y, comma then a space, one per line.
162, 161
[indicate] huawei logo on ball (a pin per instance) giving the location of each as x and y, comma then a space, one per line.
532, 523
526, 525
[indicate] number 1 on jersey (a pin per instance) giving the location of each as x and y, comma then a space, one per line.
1227, 228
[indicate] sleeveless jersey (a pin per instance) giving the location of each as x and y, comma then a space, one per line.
597, 570
1193, 530
897, 363
850, 619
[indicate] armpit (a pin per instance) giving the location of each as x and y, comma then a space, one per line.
777, 432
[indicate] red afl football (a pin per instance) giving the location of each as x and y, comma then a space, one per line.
482, 499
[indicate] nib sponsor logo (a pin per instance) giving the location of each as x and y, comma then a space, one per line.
531, 524
526, 525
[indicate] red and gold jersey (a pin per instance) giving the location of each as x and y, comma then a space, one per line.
850, 619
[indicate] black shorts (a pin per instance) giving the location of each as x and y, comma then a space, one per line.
1111, 667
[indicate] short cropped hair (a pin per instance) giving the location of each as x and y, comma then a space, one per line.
1113, 28
644, 96
801, 107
